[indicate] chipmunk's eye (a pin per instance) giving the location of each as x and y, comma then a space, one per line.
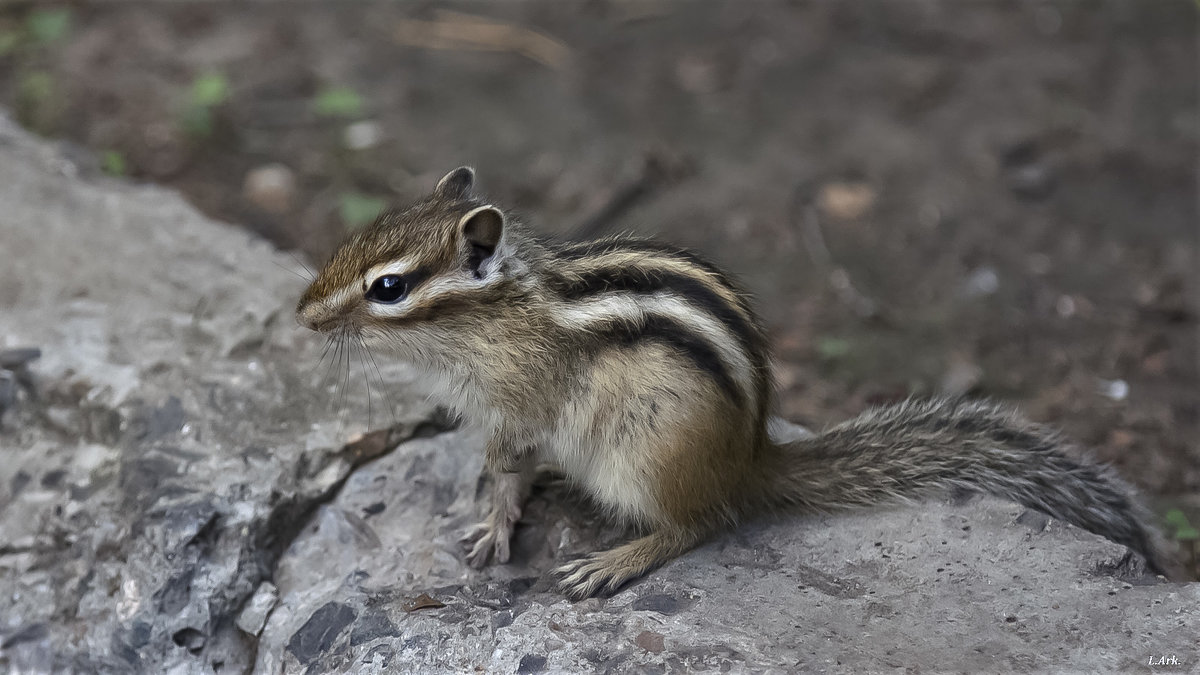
388, 289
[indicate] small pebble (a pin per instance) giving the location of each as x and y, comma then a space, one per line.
1065, 306
983, 281
271, 187
362, 135
1116, 390
846, 201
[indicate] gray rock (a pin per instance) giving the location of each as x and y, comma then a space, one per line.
174, 435
258, 608
174, 455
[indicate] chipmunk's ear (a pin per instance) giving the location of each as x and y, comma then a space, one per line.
481, 231
456, 185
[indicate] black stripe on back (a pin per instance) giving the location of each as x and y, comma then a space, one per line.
633, 280
675, 335
591, 248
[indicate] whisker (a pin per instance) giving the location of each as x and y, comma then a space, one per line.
288, 269
337, 351
335, 368
366, 377
324, 352
333, 361
345, 386
337, 374
311, 275
382, 383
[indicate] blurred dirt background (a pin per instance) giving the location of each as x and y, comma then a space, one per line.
992, 198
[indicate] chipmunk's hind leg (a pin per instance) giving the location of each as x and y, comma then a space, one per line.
606, 571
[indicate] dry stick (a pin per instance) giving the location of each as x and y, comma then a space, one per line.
654, 174
814, 242
464, 31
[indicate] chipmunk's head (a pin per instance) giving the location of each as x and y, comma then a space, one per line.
430, 264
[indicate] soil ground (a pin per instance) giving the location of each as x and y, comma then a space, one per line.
992, 198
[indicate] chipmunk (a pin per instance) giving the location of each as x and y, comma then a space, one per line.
641, 371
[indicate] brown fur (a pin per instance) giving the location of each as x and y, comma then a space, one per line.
641, 371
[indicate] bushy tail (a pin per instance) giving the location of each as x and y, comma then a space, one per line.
918, 448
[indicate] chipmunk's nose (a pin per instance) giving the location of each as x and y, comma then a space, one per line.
311, 315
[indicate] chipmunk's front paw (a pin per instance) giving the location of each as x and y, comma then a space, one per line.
484, 540
491, 537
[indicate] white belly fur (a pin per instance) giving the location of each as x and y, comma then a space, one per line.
599, 467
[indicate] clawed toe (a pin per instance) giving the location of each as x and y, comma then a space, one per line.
480, 553
605, 572
588, 576
473, 535
486, 541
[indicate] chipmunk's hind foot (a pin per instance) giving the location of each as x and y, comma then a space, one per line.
605, 572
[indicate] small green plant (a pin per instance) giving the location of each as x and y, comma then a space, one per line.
112, 163
338, 102
9, 40
832, 348
35, 87
1181, 529
37, 100
209, 90
359, 210
46, 26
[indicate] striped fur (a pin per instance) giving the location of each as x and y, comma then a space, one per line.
641, 370
919, 448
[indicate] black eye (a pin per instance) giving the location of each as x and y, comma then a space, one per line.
388, 289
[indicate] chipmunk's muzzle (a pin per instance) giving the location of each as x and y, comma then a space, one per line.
315, 316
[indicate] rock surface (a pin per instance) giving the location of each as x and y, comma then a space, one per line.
177, 494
